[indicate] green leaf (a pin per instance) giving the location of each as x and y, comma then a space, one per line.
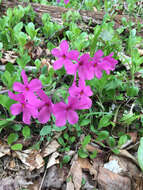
66, 136
10, 68
58, 129
26, 132
66, 159
122, 140
45, 130
86, 140
17, 147
16, 127
140, 154
97, 31
132, 91
82, 153
1, 45
18, 27
12, 138
111, 141
61, 141
85, 122
93, 155
104, 121
116, 151
103, 135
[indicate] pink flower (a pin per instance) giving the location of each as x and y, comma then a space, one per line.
84, 67
29, 110
109, 63
81, 92
64, 112
27, 89
65, 58
45, 108
65, 1
100, 64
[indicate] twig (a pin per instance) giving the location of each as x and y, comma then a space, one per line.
43, 179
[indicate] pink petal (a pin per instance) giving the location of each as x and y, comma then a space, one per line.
70, 67
73, 54
83, 103
88, 91
59, 107
66, 1
72, 117
26, 116
18, 87
35, 85
64, 46
60, 119
24, 77
43, 96
16, 109
56, 52
44, 115
98, 54
58, 64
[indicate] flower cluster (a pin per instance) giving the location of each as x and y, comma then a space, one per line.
86, 66
34, 102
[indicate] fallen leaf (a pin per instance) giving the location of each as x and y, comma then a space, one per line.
31, 158
52, 160
108, 180
126, 154
70, 186
50, 148
76, 173
4, 149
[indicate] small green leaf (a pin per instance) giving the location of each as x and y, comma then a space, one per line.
82, 153
17, 147
12, 138
26, 132
45, 130
93, 155
16, 127
140, 154
122, 140
103, 135
66, 159
111, 141
61, 141
66, 136
85, 122
104, 121
86, 140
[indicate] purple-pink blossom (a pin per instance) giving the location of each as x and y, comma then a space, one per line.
65, 1
82, 93
100, 64
29, 109
27, 89
45, 108
84, 67
66, 112
65, 58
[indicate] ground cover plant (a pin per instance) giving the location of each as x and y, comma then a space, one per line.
75, 84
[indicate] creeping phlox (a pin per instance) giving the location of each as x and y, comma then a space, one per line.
65, 1
33, 101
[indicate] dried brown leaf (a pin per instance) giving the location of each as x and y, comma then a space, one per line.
4, 149
70, 186
31, 158
50, 148
52, 160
